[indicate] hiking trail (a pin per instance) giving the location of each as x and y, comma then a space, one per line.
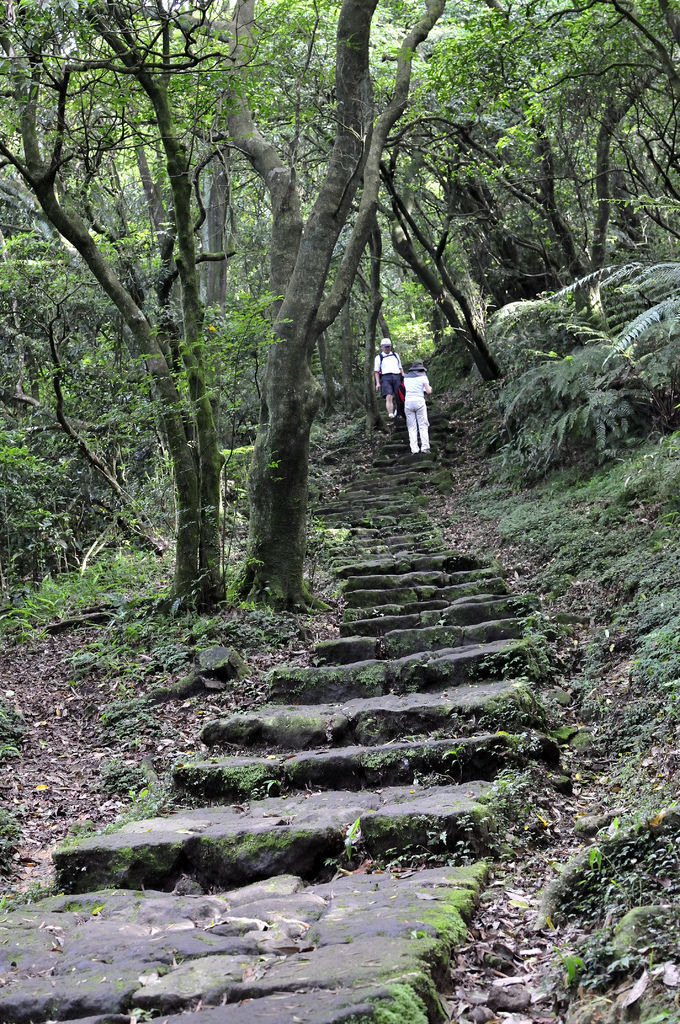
260, 902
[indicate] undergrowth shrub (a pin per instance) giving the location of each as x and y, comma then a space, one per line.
125, 721
635, 867
10, 833
122, 778
520, 813
567, 407
12, 728
259, 628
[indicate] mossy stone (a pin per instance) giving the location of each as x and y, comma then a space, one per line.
222, 662
582, 739
646, 927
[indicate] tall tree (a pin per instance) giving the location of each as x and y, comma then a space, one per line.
115, 77
302, 247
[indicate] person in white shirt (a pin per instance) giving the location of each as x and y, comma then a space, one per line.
417, 386
387, 372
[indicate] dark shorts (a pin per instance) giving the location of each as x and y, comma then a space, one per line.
389, 383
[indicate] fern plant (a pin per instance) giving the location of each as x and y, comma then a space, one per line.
608, 387
566, 406
640, 298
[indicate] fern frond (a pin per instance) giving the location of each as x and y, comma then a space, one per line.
642, 324
605, 277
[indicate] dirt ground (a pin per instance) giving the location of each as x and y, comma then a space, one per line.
59, 782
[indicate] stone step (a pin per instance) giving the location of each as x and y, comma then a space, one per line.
386, 501
221, 847
424, 671
373, 720
380, 486
465, 611
418, 578
405, 460
385, 610
412, 561
398, 516
404, 472
393, 581
399, 642
272, 952
477, 580
422, 543
429, 761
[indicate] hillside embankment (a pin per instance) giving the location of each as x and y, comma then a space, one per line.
584, 558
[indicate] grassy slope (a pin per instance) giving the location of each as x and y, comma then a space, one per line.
600, 545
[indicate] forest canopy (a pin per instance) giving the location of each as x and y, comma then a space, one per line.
209, 213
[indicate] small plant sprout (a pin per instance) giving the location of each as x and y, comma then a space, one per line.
352, 837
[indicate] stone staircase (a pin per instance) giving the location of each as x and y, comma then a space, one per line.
245, 906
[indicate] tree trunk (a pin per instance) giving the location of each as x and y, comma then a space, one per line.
373, 420
194, 449
449, 306
347, 350
327, 374
451, 300
300, 261
279, 475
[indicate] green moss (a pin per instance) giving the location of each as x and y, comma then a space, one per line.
372, 679
239, 859
529, 657
10, 834
517, 709
404, 1007
383, 759
447, 916
230, 782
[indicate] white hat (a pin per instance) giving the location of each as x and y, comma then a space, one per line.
386, 341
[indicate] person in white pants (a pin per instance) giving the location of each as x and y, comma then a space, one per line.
417, 386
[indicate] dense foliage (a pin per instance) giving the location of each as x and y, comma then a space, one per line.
536, 158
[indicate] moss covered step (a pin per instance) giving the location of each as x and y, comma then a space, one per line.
463, 612
401, 474
454, 759
388, 518
418, 607
423, 671
269, 953
378, 625
398, 642
221, 847
440, 561
403, 597
393, 520
348, 503
272, 952
418, 578
432, 638
389, 544
508, 704
393, 581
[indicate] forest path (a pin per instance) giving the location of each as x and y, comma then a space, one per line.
385, 752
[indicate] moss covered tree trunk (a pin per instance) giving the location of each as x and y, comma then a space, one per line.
373, 420
189, 425
301, 252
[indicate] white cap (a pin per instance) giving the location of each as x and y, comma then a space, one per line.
385, 341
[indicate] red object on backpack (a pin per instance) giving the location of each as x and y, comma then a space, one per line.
401, 397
